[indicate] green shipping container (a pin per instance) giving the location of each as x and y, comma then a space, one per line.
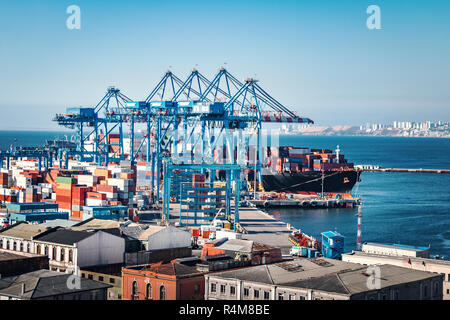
68, 180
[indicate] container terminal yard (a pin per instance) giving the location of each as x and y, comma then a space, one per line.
193, 180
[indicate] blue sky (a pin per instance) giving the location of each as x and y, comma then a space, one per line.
316, 57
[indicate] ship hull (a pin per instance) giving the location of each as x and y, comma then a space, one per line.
311, 181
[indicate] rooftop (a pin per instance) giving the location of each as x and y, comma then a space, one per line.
237, 245
42, 284
95, 224
60, 223
397, 246
64, 236
399, 258
169, 269
31, 206
23, 230
323, 274
6, 255
332, 234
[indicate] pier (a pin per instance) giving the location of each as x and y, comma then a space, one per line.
262, 227
306, 203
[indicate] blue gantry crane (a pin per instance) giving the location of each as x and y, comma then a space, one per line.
217, 117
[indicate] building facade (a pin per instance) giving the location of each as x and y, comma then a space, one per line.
171, 281
327, 280
70, 250
431, 265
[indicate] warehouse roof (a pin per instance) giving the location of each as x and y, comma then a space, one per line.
399, 258
43, 284
95, 224
64, 236
323, 274
397, 246
60, 223
23, 230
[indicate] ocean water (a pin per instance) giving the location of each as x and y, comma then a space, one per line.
406, 208
29, 138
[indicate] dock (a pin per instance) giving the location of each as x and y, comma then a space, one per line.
262, 227
374, 168
306, 203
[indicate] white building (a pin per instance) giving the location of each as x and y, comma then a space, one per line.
396, 250
69, 250
167, 238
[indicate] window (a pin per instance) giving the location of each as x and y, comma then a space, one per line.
14, 246
100, 278
27, 247
213, 287
112, 280
280, 296
162, 293
83, 275
246, 292
436, 288
222, 289
71, 256
292, 297
1, 243
21, 246
134, 291
266, 295
54, 253
256, 294
425, 291
396, 295
232, 290
62, 255
302, 298
46, 250
148, 291
197, 289
90, 277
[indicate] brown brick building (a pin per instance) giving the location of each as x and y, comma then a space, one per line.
170, 281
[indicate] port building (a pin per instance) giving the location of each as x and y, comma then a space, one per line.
436, 266
321, 279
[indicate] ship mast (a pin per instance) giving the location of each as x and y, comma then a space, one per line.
337, 153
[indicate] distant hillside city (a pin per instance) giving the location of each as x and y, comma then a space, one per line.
435, 129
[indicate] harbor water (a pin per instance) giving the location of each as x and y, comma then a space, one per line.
406, 208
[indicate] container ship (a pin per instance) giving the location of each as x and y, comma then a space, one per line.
302, 170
